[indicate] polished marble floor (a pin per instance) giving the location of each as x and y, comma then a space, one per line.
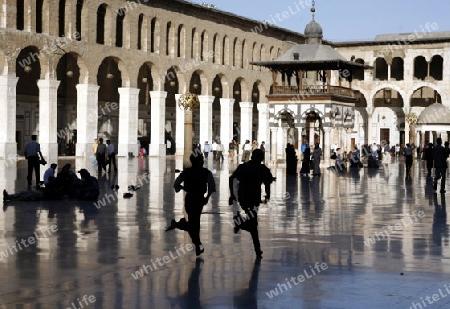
361, 239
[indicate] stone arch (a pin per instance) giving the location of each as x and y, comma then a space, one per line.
170, 39
181, 77
436, 67
425, 96
386, 85
104, 25
237, 52
385, 97
204, 46
79, 69
145, 82
380, 68
225, 51
216, 56
420, 68
155, 35
181, 42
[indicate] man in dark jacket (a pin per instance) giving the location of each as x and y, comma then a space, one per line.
440, 156
251, 175
196, 181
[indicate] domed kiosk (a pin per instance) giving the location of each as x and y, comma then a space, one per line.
436, 120
311, 95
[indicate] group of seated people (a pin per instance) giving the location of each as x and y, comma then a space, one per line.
65, 184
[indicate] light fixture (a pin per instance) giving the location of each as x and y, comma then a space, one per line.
144, 79
217, 89
255, 94
27, 69
69, 72
172, 83
387, 96
195, 86
237, 92
109, 75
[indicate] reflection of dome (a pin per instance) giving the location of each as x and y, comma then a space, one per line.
313, 30
436, 113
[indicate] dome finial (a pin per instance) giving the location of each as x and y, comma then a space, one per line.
313, 8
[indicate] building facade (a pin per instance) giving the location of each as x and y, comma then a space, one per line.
75, 70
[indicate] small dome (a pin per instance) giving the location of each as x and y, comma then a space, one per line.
436, 113
313, 30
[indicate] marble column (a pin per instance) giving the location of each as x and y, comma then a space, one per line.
8, 145
226, 121
158, 118
206, 103
179, 127
87, 115
263, 123
246, 121
48, 118
273, 144
311, 133
128, 121
187, 138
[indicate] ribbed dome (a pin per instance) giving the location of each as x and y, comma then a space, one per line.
313, 30
436, 113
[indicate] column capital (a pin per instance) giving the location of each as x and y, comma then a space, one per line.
263, 107
128, 90
206, 98
246, 104
369, 110
158, 94
273, 129
52, 84
327, 129
226, 101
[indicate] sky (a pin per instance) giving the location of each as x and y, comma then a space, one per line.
345, 20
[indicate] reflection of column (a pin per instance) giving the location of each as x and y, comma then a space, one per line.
369, 125
311, 133
246, 121
187, 137
158, 118
8, 146
128, 121
422, 137
327, 144
87, 117
48, 118
226, 121
407, 129
273, 144
179, 127
263, 122
206, 103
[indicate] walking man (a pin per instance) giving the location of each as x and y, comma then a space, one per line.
111, 156
196, 181
440, 156
33, 154
251, 175
101, 156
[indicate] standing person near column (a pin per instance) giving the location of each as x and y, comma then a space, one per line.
196, 181
440, 156
206, 149
408, 158
111, 156
101, 156
263, 149
214, 150
219, 155
251, 175
33, 154
94, 146
317, 155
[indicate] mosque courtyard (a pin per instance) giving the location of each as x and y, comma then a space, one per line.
368, 238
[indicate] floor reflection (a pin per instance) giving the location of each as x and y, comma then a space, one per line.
96, 248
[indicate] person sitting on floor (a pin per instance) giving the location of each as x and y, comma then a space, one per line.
88, 189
